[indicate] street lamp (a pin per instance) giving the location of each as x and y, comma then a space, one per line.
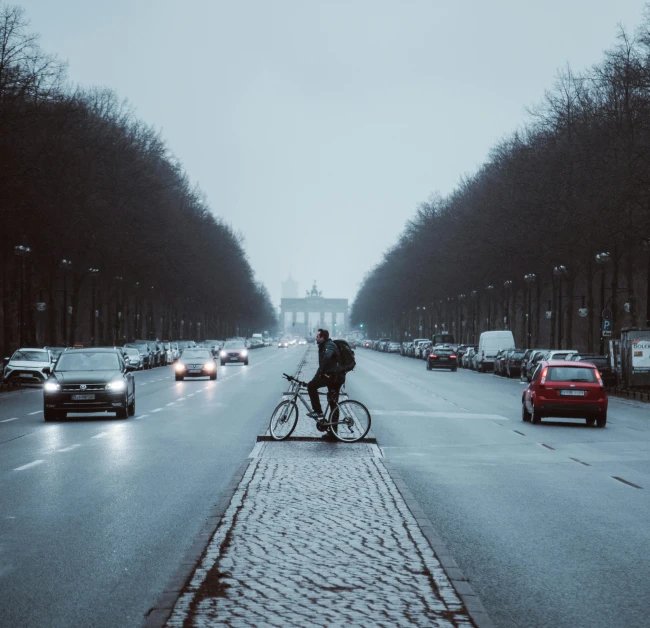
66, 265
490, 290
603, 259
461, 298
560, 272
93, 272
474, 295
506, 319
530, 279
645, 245
22, 252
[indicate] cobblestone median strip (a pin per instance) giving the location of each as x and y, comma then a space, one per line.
317, 535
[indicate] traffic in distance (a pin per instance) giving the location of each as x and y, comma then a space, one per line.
84, 379
561, 383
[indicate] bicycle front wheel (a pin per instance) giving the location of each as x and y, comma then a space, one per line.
350, 421
283, 420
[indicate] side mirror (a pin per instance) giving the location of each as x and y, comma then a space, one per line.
47, 370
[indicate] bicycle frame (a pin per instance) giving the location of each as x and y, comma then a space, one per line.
298, 394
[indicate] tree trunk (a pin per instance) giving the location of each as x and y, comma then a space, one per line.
590, 306
568, 334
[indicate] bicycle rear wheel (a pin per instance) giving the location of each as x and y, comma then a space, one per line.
284, 420
350, 421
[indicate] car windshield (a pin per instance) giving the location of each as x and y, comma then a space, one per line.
570, 374
233, 344
131, 351
192, 354
87, 361
30, 356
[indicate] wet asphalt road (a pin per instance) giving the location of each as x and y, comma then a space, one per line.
92, 534
544, 539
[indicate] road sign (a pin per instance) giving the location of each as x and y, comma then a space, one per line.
607, 314
606, 329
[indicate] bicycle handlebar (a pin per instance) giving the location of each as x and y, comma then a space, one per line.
293, 379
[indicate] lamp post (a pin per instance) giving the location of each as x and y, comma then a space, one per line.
473, 294
118, 312
560, 272
506, 318
93, 272
490, 290
461, 298
602, 258
530, 279
645, 244
22, 252
66, 265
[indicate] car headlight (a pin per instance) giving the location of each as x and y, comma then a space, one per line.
116, 386
223, 354
209, 366
244, 353
179, 366
51, 386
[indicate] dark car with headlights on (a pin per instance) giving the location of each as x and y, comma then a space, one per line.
196, 362
89, 380
442, 358
234, 351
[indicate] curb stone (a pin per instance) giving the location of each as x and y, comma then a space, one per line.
159, 613
455, 574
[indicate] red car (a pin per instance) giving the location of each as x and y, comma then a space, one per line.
565, 389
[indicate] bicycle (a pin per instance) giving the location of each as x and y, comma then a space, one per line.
348, 420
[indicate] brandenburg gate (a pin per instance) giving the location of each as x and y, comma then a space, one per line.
303, 317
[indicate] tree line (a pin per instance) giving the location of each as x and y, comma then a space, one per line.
103, 237
552, 230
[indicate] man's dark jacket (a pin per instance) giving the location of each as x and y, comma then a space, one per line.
329, 358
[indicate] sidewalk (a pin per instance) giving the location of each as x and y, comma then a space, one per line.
322, 534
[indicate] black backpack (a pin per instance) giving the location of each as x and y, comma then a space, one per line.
347, 356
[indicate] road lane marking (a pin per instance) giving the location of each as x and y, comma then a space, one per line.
181, 399
100, 435
439, 415
156, 410
27, 466
7, 420
70, 448
142, 416
626, 482
171, 403
37, 412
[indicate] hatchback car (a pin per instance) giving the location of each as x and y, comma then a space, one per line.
89, 380
234, 351
442, 358
565, 389
195, 362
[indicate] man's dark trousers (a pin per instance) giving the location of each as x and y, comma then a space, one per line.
334, 381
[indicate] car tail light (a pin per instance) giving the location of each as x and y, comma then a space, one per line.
599, 378
512, 361
433, 355
544, 373
452, 357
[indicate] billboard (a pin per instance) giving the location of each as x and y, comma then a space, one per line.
640, 355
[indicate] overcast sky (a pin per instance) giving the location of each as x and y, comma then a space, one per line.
317, 127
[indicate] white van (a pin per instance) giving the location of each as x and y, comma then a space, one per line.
489, 344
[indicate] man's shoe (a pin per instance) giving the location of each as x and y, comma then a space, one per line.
315, 415
329, 436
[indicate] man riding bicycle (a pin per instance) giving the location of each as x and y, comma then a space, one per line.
329, 374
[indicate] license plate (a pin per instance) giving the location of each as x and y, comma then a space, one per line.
572, 393
234, 359
194, 371
82, 397
444, 359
